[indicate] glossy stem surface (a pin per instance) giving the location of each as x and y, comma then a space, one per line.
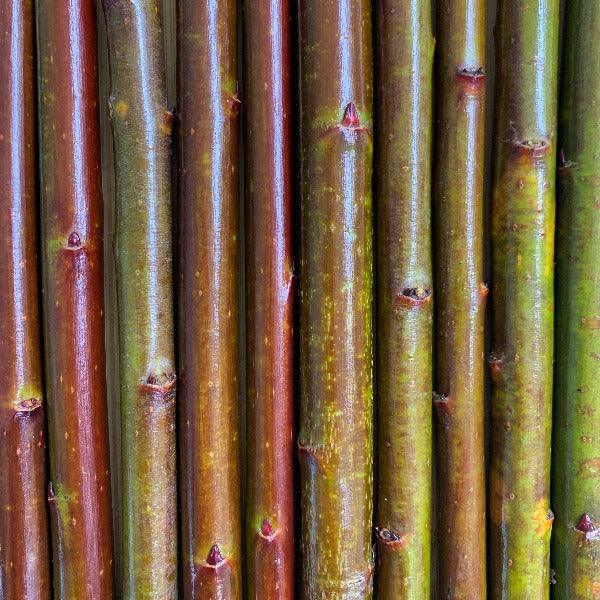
335, 441
24, 533
576, 445
404, 81
522, 295
270, 292
141, 125
71, 209
209, 298
460, 297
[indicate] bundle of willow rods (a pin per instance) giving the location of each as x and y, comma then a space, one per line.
308, 228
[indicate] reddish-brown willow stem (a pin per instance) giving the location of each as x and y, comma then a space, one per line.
24, 547
404, 44
270, 295
335, 441
460, 297
71, 207
209, 299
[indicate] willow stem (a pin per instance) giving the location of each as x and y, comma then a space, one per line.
336, 301
270, 301
72, 249
404, 43
460, 297
522, 294
142, 142
209, 298
576, 445
24, 544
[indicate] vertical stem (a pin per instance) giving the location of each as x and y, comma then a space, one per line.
460, 296
270, 289
404, 44
71, 202
208, 310
336, 301
522, 295
576, 493
24, 547
142, 140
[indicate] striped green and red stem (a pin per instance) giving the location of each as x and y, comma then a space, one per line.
460, 297
71, 209
404, 83
142, 142
24, 533
336, 301
270, 300
522, 294
209, 299
576, 445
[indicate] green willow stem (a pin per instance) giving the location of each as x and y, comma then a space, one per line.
24, 543
522, 294
72, 250
142, 140
576, 444
460, 297
209, 299
404, 43
270, 300
336, 301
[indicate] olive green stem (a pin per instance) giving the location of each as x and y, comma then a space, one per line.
142, 140
522, 294
576, 444
404, 83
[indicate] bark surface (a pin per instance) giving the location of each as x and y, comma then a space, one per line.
336, 270
460, 297
141, 125
209, 298
24, 533
522, 294
404, 43
576, 445
270, 300
71, 209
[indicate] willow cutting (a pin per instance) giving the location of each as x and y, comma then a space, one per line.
142, 141
336, 272
522, 275
576, 493
209, 299
460, 296
270, 301
404, 79
71, 210
24, 547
